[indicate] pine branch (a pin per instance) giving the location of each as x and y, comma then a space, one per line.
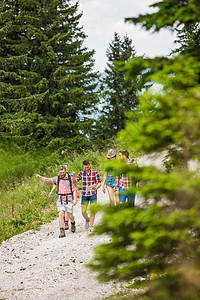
42, 95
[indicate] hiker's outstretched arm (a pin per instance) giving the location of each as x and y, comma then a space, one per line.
40, 177
47, 180
50, 180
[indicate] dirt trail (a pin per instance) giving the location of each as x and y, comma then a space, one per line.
38, 265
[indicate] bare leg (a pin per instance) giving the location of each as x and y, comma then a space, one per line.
117, 197
92, 214
84, 212
71, 217
61, 219
111, 194
66, 215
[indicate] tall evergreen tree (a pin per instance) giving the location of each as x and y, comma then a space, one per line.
157, 243
117, 94
46, 79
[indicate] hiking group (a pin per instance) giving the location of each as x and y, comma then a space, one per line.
117, 187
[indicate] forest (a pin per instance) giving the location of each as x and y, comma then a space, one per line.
54, 107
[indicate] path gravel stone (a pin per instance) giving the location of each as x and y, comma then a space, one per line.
37, 265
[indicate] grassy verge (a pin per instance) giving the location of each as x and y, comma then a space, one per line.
25, 207
24, 201
17, 166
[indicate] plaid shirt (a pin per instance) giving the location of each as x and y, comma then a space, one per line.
87, 180
64, 185
124, 181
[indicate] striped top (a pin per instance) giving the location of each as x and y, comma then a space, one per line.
110, 180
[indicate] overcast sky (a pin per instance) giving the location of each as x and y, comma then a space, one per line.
101, 18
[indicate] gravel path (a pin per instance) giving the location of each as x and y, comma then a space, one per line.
38, 265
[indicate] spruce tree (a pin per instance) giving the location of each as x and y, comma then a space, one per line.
46, 78
117, 94
156, 244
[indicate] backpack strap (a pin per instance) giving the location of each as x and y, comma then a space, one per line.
58, 181
70, 182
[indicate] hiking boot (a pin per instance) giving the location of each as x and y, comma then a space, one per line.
62, 233
66, 225
73, 227
87, 224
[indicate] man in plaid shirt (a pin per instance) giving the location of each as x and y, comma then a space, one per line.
125, 182
90, 184
65, 197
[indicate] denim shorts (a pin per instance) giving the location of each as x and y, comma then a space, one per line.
86, 199
123, 194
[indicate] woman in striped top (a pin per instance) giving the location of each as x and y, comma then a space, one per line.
109, 180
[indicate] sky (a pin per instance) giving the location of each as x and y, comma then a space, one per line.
101, 18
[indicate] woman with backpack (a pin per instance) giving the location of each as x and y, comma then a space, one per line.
65, 197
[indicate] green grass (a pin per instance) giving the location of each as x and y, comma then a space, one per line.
24, 201
16, 166
25, 207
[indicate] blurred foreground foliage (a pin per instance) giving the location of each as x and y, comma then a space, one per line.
156, 245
